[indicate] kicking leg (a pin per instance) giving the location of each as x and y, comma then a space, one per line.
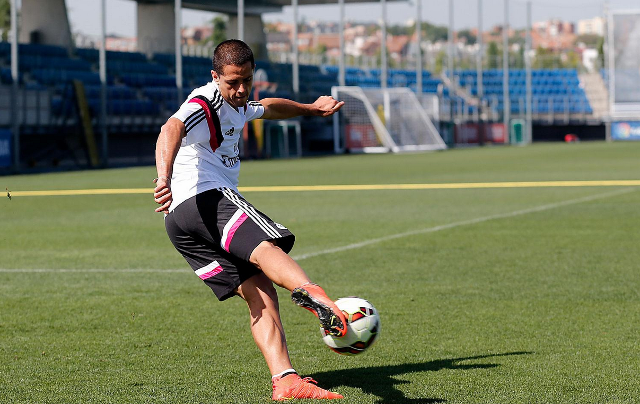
285, 272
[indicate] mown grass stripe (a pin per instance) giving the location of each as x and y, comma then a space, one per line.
365, 243
353, 187
461, 223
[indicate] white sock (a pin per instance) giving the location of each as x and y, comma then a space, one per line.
284, 372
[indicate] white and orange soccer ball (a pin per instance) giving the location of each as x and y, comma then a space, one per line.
362, 330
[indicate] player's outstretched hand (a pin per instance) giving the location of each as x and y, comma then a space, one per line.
162, 194
326, 105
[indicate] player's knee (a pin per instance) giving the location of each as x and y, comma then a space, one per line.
263, 249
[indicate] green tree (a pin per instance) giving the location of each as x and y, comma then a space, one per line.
400, 30
572, 60
547, 59
219, 33
590, 40
390, 62
467, 36
493, 54
434, 33
601, 51
517, 59
440, 61
320, 49
371, 29
5, 18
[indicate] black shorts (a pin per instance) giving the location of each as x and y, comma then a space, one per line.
216, 231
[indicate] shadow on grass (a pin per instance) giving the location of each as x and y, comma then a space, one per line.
380, 380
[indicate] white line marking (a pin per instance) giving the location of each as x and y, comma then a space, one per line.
461, 223
356, 245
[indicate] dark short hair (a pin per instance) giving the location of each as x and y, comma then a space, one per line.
231, 52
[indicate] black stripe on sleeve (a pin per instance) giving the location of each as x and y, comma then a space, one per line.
195, 123
193, 117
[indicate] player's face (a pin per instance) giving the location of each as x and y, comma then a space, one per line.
235, 83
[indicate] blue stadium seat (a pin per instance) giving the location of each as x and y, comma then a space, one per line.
145, 80
54, 76
28, 62
42, 50
117, 67
5, 75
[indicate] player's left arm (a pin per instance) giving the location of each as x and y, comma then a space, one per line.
281, 108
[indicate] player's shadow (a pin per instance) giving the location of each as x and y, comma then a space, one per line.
379, 381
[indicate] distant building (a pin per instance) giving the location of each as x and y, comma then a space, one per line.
495, 34
554, 27
553, 34
278, 42
311, 41
194, 35
594, 26
398, 46
121, 44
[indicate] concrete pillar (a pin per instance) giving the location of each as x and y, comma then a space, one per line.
254, 34
45, 22
156, 28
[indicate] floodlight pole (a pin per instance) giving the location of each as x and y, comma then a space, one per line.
241, 20
450, 62
479, 40
296, 76
341, 63
103, 83
527, 59
178, 50
612, 66
15, 124
383, 46
506, 102
450, 43
418, 47
608, 32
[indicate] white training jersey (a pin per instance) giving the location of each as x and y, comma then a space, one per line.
209, 154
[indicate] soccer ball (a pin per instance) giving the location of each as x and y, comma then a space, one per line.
362, 329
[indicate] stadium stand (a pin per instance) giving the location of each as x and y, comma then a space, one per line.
558, 91
141, 85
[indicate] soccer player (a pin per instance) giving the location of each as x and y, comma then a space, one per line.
232, 246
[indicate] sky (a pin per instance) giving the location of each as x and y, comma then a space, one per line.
121, 14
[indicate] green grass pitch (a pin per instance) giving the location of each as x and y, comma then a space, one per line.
509, 295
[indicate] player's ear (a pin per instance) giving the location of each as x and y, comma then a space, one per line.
215, 76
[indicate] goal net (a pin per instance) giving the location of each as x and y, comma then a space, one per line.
624, 63
376, 120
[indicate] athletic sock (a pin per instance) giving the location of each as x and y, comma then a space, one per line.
284, 373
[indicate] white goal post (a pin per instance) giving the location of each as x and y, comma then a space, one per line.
380, 120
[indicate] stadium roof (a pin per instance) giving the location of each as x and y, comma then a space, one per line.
251, 6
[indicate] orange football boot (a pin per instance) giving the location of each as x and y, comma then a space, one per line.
313, 298
293, 386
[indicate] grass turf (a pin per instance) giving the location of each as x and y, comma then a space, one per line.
477, 306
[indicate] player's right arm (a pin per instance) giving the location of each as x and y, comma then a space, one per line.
167, 148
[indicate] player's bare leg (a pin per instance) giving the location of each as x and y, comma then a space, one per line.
268, 333
285, 272
266, 326
278, 266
